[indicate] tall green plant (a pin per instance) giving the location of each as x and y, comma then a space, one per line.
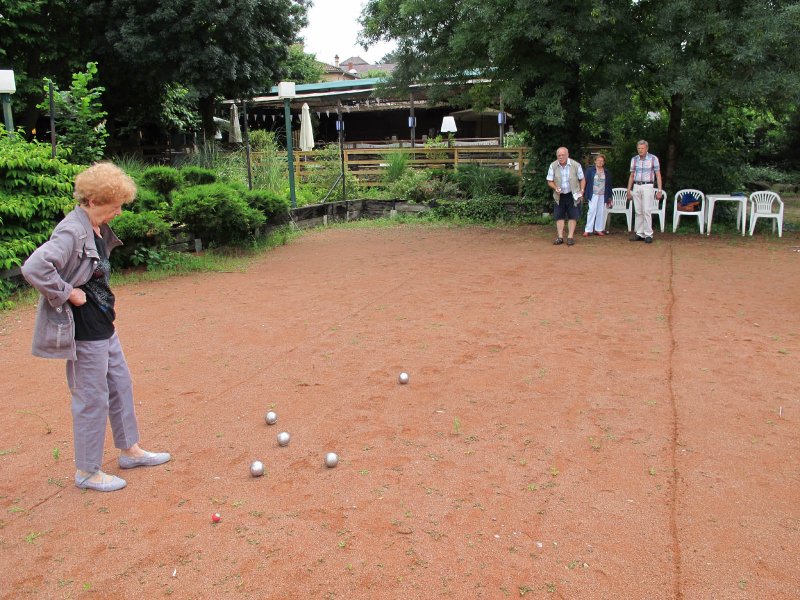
80, 118
35, 192
270, 171
397, 163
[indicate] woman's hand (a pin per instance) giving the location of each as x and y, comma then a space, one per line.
77, 297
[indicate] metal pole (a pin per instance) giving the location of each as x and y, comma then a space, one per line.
52, 119
340, 129
290, 155
9, 119
501, 121
413, 122
247, 146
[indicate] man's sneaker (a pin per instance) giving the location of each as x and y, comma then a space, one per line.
636, 238
648, 240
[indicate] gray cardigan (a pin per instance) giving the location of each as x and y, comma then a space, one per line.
64, 262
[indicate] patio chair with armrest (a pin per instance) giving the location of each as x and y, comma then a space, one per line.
659, 207
761, 206
620, 205
700, 213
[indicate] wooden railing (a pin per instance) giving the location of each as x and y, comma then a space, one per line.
369, 164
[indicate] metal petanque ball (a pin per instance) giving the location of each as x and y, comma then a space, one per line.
331, 459
403, 378
283, 438
271, 418
256, 468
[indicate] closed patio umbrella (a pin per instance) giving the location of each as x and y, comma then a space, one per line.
306, 131
235, 135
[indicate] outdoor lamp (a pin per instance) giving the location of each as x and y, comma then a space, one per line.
449, 127
286, 90
7, 87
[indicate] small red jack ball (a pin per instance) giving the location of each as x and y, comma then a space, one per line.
216, 517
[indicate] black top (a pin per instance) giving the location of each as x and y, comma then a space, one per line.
95, 319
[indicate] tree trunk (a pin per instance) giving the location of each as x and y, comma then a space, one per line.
673, 140
206, 106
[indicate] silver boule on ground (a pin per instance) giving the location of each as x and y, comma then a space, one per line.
271, 418
256, 468
331, 459
283, 438
403, 378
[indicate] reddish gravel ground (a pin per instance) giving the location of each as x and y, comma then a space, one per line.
611, 420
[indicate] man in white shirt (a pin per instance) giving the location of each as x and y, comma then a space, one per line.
565, 178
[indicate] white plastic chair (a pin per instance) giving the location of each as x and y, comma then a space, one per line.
700, 214
620, 205
659, 207
761, 207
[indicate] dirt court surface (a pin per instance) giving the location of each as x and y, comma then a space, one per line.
612, 420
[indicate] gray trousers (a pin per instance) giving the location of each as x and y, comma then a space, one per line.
102, 391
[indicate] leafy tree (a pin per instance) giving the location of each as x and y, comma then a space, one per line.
543, 57
569, 68
229, 48
38, 39
302, 67
80, 117
696, 59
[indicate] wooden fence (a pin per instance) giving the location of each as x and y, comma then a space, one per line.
369, 164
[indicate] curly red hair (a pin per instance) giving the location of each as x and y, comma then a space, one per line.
104, 183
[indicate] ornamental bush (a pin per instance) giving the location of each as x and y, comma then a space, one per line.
197, 175
35, 193
139, 229
217, 213
273, 206
476, 181
162, 180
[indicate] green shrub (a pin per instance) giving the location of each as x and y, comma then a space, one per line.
217, 213
197, 175
162, 179
410, 185
139, 229
476, 181
489, 209
147, 199
35, 193
273, 206
421, 186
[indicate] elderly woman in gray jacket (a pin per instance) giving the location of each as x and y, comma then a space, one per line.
75, 321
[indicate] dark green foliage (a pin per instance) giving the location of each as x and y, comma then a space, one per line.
80, 118
35, 193
147, 199
215, 48
273, 206
421, 186
147, 228
488, 209
139, 229
217, 213
534, 186
197, 175
162, 179
476, 181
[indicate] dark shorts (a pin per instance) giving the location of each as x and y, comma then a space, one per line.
566, 209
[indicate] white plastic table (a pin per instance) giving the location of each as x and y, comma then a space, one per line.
741, 210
